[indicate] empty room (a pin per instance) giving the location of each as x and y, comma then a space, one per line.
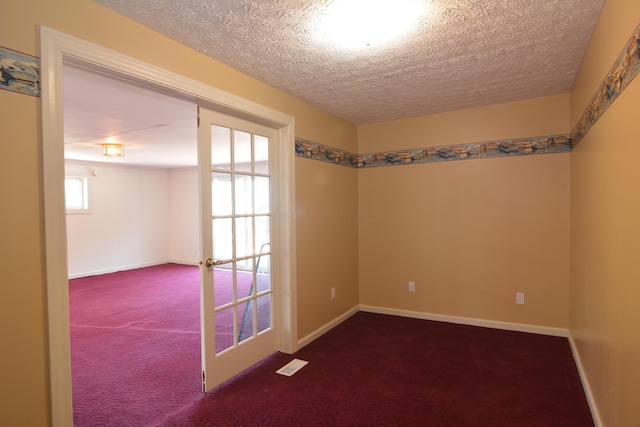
447, 193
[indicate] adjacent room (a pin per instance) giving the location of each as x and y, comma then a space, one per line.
133, 247
444, 231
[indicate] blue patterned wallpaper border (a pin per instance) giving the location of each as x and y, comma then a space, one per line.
482, 150
443, 153
324, 153
624, 70
19, 72
621, 74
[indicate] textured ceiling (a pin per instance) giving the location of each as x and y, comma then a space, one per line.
156, 130
464, 53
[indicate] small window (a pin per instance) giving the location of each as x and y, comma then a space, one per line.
76, 193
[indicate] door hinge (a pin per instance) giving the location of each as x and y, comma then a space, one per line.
198, 116
204, 387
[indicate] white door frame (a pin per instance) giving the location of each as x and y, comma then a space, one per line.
56, 48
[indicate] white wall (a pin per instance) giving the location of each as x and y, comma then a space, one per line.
130, 224
183, 210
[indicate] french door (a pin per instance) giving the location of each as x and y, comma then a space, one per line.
238, 290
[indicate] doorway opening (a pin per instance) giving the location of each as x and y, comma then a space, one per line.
132, 250
58, 49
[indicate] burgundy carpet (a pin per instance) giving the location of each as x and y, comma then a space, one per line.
377, 370
135, 342
372, 370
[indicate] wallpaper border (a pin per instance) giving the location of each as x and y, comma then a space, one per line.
442, 153
476, 150
19, 72
324, 153
623, 71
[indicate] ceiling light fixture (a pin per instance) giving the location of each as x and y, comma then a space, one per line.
113, 150
358, 24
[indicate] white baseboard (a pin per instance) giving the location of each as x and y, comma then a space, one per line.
520, 327
320, 331
543, 330
184, 262
116, 269
585, 384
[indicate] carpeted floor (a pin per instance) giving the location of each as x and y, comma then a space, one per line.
135, 341
377, 370
135, 345
371, 370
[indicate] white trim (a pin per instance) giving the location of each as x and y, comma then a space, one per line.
56, 48
129, 267
55, 230
286, 214
585, 384
326, 328
507, 326
185, 262
519, 327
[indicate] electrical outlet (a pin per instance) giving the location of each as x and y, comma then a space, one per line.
333, 293
412, 286
520, 298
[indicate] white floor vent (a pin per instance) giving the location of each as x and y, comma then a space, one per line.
292, 367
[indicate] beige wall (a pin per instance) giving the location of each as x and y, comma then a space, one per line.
24, 393
605, 230
23, 369
534, 117
327, 215
470, 233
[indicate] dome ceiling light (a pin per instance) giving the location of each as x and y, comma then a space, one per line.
361, 24
113, 150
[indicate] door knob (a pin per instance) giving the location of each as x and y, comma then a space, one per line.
209, 262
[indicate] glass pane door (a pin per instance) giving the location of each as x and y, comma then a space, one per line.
241, 218
237, 318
